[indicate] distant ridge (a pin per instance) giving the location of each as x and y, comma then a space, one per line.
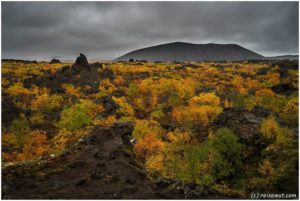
284, 57
180, 51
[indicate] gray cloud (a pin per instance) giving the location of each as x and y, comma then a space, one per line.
104, 30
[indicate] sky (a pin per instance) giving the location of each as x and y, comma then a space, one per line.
106, 30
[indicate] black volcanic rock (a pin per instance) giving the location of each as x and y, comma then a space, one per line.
243, 122
9, 110
80, 63
180, 52
284, 89
99, 166
54, 61
81, 73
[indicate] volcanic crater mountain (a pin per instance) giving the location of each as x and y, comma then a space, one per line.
180, 51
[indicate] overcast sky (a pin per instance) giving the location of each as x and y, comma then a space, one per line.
105, 30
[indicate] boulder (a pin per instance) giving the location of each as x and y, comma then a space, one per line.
174, 189
63, 69
55, 61
110, 106
9, 110
284, 89
81, 63
123, 128
244, 123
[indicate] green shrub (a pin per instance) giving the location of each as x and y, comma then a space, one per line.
19, 128
239, 100
158, 112
207, 163
75, 117
132, 90
227, 153
196, 159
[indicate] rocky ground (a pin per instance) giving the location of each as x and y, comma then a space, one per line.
80, 74
101, 166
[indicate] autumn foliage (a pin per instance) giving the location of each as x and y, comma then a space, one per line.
173, 107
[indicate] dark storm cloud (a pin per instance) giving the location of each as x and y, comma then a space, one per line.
105, 30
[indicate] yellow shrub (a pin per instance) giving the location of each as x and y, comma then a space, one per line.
290, 112
39, 102
93, 108
205, 99
37, 118
46, 102
238, 84
138, 103
106, 122
266, 169
269, 128
195, 114
35, 90
155, 164
251, 84
18, 89
292, 106
227, 103
125, 108
143, 127
108, 85
179, 137
273, 78
60, 141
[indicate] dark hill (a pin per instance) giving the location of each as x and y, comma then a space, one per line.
180, 51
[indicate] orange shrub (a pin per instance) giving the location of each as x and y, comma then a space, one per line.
72, 91
119, 80
147, 146
265, 92
36, 146
61, 140
238, 84
273, 78
5, 82
105, 122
